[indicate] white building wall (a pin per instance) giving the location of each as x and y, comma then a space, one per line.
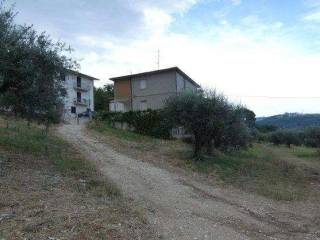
71, 96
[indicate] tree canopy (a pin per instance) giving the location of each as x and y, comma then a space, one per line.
211, 119
102, 97
32, 69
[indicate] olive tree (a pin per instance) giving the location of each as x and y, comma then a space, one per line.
32, 67
211, 119
201, 114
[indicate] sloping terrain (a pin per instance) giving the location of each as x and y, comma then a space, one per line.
291, 120
59, 195
181, 207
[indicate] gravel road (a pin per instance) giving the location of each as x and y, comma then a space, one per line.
181, 208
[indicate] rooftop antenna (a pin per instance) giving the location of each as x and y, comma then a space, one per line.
158, 59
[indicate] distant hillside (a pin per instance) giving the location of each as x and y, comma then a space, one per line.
291, 120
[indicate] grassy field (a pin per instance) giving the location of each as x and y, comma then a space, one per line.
49, 190
279, 173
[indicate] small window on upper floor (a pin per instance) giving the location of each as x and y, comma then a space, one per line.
143, 84
79, 82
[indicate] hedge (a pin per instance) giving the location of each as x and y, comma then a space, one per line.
150, 122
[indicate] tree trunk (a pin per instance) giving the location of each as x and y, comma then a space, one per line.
209, 147
47, 127
197, 148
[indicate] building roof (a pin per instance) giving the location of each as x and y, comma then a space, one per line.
176, 69
81, 74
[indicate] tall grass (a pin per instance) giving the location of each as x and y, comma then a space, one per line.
258, 169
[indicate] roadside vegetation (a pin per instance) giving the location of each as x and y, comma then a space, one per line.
48, 190
224, 145
277, 172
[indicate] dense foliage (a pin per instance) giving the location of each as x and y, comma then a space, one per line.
291, 120
150, 122
309, 137
287, 137
211, 119
266, 128
102, 97
32, 70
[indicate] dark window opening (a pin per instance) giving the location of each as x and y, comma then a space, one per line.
79, 96
63, 77
79, 82
73, 110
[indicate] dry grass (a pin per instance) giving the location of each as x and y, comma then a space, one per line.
274, 172
56, 193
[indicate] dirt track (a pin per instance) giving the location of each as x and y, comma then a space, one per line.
182, 208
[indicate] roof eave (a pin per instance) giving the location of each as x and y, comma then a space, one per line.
154, 72
83, 75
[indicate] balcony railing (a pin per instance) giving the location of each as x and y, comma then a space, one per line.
81, 88
82, 102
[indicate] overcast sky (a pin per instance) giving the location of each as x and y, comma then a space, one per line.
262, 53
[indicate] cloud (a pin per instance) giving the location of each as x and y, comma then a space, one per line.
255, 60
236, 2
243, 58
313, 16
157, 20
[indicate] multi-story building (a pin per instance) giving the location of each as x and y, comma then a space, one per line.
79, 98
149, 90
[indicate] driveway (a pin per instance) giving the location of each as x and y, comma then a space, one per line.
181, 208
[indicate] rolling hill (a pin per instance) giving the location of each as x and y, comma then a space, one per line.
291, 120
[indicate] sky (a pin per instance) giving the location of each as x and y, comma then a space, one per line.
264, 54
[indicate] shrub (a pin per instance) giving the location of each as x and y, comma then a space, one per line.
149, 122
266, 128
312, 137
287, 137
211, 119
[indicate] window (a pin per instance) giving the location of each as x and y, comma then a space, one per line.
143, 84
73, 110
143, 105
78, 96
63, 77
79, 82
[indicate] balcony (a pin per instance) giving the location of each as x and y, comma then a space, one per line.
81, 102
81, 87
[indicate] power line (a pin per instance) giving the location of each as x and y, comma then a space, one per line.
276, 97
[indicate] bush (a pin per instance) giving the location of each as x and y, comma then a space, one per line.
266, 128
312, 137
212, 120
309, 137
287, 137
149, 122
